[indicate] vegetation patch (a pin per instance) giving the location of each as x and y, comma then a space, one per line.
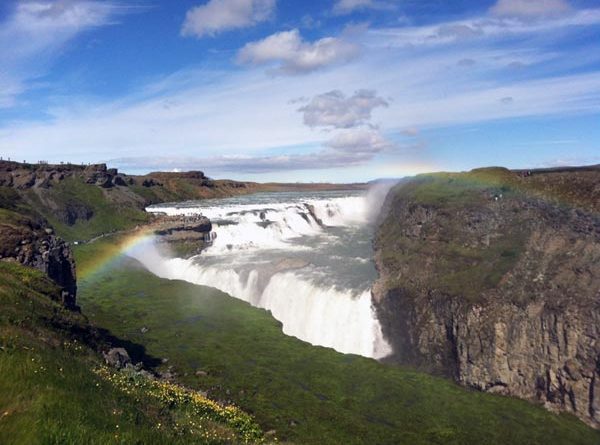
50, 393
198, 408
308, 395
80, 211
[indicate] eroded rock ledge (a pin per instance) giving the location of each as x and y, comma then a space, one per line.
34, 244
496, 286
186, 236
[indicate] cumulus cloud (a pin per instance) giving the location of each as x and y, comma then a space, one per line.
223, 15
342, 7
295, 55
530, 8
334, 109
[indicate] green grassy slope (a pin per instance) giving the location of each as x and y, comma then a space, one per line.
309, 395
454, 212
109, 209
55, 390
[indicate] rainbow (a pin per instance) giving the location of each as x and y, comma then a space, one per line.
96, 257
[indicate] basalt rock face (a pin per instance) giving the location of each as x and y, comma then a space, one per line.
186, 235
487, 280
33, 244
26, 176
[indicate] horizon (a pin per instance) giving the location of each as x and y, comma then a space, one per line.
368, 181
268, 91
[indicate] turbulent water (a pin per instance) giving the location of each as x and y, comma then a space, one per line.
306, 257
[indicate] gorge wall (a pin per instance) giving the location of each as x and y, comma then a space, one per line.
28, 239
493, 278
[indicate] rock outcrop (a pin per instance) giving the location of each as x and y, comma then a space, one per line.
186, 235
32, 243
491, 281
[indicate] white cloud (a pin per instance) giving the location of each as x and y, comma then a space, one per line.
35, 33
295, 55
320, 160
492, 27
348, 148
41, 27
530, 8
360, 141
334, 109
342, 7
223, 15
244, 119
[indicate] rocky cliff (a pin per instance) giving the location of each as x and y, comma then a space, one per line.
186, 236
493, 278
29, 240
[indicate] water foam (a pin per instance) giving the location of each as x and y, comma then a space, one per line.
249, 260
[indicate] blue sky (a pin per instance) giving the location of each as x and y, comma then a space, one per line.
291, 90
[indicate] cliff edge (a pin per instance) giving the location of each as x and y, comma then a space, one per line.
28, 239
493, 278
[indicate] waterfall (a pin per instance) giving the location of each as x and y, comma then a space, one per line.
291, 258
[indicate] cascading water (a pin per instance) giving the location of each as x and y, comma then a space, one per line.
304, 257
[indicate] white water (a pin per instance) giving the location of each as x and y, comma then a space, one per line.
311, 270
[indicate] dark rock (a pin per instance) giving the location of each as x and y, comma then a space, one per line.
74, 211
117, 358
104, 181
186, 235
119, 180
503, 296
33, 245
311, 211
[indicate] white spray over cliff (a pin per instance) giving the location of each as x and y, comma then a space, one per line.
304, 258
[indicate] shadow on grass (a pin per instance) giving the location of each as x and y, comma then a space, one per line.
101, 339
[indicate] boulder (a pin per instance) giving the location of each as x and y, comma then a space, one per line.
117, 358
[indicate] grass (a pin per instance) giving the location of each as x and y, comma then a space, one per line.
111, 212
309, 395
449, 253
55, 390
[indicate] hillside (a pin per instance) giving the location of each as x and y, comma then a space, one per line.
56, 388
493, 278
307, 394
82, 202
